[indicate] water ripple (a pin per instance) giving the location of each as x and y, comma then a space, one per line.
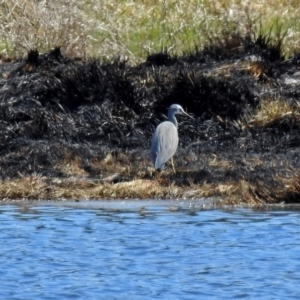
68, 252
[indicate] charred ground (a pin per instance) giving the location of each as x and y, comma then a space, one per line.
85, 120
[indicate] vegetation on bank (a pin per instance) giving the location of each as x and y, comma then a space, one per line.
182, 185
73, 127
80, 129
133, 29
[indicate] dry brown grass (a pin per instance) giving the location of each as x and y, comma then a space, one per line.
31, 24
219, 162
136, 179
275, 111
151, 186
71, 167
133, 28
232, 193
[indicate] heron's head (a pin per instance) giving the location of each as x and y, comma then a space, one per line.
176, 109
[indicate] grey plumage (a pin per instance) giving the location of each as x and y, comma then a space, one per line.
164, 141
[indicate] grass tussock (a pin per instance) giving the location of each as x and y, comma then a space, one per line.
273, 112
135, 28
71, 167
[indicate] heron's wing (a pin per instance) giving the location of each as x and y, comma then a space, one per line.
164, 143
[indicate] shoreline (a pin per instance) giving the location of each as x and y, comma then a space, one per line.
143, 206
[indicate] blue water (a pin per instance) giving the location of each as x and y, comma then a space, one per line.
50, 251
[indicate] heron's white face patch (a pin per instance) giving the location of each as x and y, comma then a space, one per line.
177, 108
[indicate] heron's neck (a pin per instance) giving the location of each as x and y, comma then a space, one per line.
173, 119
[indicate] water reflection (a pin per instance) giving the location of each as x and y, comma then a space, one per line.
146, 251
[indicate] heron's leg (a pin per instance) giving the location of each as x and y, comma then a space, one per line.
173, 165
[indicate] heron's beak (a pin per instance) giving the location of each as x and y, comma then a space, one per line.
186, 114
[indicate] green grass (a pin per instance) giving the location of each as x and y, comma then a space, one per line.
103, 28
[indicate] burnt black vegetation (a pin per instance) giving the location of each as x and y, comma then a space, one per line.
52, 105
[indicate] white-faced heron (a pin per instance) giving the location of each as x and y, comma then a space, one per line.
164, 141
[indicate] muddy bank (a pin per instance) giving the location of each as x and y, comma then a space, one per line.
74, 128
